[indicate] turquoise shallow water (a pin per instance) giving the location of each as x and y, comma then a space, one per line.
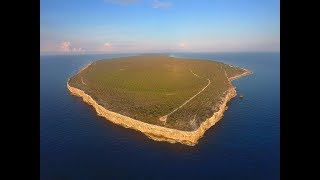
77, 144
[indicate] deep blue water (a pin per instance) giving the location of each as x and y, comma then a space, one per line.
77, 144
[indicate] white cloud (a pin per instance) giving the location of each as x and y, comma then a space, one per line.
182, 45
161, 4
122, 2
107, 45
66, 47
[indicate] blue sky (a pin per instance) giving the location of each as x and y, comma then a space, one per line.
121, 26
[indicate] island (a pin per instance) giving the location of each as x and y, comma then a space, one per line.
166, 98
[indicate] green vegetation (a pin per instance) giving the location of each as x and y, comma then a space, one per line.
150, 86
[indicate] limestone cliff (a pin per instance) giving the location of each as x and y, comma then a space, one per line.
155, 132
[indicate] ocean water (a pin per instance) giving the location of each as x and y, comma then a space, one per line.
75, 143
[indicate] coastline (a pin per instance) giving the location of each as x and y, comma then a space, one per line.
155, 132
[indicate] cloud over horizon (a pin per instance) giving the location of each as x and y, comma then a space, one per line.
182, 45
66, 47
107, 46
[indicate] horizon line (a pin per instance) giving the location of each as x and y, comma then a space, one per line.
115, 53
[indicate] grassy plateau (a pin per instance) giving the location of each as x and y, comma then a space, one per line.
178, 93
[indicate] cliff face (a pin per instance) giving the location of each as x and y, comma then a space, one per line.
155, 132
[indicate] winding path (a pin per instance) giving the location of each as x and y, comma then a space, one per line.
164, 118
82, 81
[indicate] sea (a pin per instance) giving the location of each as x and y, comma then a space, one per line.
77, 144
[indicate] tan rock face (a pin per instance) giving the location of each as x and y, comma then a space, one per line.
155, 132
